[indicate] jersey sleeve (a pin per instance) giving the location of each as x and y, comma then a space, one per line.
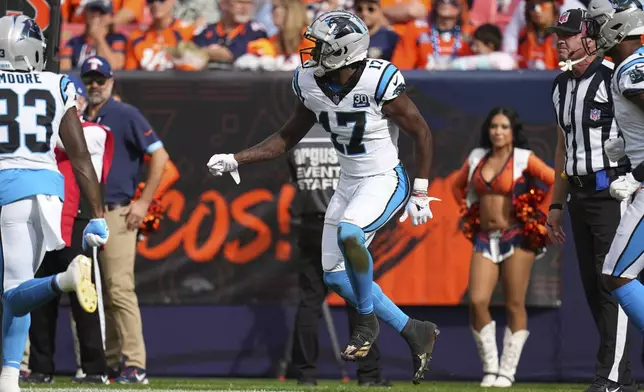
67, 93
540, 170
141, 134
296, 85
390, 85
131, 54
630, 79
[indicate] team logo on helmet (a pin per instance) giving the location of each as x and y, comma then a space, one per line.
564, 17
29, 30
343, 25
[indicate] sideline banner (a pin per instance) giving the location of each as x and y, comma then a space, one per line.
223, 243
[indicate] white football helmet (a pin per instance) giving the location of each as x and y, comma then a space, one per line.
22, 44
340, 38
610, 21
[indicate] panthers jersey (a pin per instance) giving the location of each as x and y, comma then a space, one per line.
365, 139
32, 106
628, 80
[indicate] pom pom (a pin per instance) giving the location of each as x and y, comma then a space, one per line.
470, 222
526, 211
526, 207
152, 221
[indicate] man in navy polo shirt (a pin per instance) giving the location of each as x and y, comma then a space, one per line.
133, 138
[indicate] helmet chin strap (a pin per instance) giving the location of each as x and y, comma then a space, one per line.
319, 71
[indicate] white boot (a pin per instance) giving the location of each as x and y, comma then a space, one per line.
9, 379
489, 354
512, 347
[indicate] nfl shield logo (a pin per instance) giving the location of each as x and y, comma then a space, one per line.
336, 99
564, 17
595, 114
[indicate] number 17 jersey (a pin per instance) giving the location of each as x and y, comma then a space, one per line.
365, 139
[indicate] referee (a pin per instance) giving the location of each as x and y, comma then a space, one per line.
583, 105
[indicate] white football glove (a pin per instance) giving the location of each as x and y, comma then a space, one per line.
224, 163
418, 204
614, 149
624, 187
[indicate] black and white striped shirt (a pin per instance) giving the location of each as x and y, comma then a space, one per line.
584, 109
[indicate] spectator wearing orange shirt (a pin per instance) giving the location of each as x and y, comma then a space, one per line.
99, 39
399, 13
228, 39
382, 39
282, 50
537, 48
440, 39
148, 49
125, 11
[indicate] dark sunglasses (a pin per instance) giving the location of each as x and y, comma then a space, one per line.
155, 1
455, 3
89, 80
370, 9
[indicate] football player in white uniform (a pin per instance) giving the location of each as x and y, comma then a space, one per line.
35, 107
616, 28
361, 102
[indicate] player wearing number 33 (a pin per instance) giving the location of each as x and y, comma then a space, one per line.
38, 106
361, 102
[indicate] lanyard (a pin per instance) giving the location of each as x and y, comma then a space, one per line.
456, 32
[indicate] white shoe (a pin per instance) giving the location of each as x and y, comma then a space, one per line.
502, 382
79, 373
78, 278
488, 380
9, 387
488, 353
512, 347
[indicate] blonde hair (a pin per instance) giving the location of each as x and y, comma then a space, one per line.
295, 20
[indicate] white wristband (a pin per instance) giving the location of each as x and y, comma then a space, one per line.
421, 185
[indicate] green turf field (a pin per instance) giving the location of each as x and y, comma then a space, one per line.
247, 385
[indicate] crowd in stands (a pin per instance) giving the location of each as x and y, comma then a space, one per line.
192, 35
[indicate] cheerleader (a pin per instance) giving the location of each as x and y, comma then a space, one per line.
499, 187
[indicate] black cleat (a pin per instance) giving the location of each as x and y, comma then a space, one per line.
365, 333
38, 378
375, 383
92, 379
421, 337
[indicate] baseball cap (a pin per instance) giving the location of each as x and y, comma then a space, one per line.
100, 5
98, 65
570, 22
80, 86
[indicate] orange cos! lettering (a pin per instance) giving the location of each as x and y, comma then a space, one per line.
213, 202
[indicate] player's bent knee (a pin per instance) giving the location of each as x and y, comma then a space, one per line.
350, 235
351, 240
11, 306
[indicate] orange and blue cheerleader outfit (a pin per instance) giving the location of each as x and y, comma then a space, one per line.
524, 177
